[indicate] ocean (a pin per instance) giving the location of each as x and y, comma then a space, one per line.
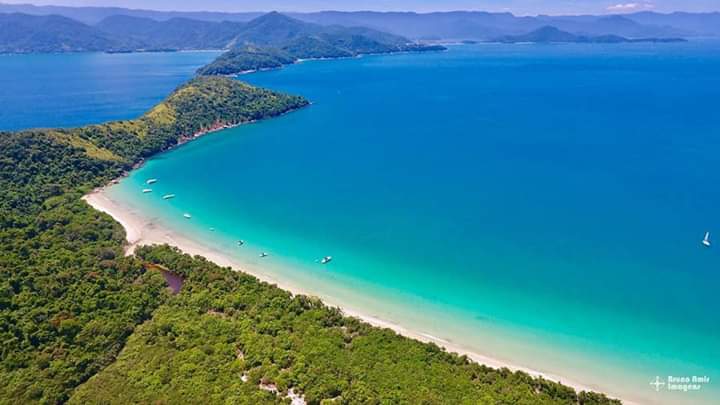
74, 89
539, 204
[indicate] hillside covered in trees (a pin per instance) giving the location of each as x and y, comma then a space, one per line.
82, 323
68, 296
23, 33
291, 40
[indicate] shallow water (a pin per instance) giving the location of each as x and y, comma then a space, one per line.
540, 204
543, 205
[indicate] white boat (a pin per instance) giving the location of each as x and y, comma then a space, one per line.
706, 240
147, 190
326, 260
187, 216
151, 181
168, 196
241, 242
263, 254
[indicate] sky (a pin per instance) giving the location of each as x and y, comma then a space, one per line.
519, 7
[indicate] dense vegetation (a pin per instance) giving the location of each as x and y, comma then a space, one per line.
68, 296
283, 40
202, 104
70, 300
251, 58
227, 333
248, 58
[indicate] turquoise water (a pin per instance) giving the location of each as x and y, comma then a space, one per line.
542, 205
66, 90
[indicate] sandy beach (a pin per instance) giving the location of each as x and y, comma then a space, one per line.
141, 230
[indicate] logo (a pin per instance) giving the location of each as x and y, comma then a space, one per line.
681, 384
657, 383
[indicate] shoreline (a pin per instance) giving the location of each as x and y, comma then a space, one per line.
303, 60
141, 230
216, 127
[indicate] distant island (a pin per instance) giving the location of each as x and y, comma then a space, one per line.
550, 34
294, 40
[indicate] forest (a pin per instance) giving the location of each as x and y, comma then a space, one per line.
80, 322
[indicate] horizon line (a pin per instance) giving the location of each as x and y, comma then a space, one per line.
281, 11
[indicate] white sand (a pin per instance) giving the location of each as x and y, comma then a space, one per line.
143, 231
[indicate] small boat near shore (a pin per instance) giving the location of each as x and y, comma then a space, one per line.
151, 181
187, 216
241, 242
147, 190
263, 254
168, 196
326, 260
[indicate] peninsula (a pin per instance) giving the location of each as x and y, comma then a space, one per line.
86, 323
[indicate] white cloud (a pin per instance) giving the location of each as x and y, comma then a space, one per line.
631, 6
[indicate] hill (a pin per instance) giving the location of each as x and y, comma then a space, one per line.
455, 25
26, 33
176, 33
22, 33
283, 40
458, 25
246, 59
550, 34
93, 15
69, 298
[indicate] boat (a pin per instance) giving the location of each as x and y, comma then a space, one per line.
706, 240
241, 242
151, 181
147, 190
326, 260
168, 196
187, 216
263, 254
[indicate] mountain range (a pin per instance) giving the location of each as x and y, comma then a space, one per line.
23, 33
550, 34
475, 25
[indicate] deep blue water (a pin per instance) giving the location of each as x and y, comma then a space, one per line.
539, 204
66, 90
